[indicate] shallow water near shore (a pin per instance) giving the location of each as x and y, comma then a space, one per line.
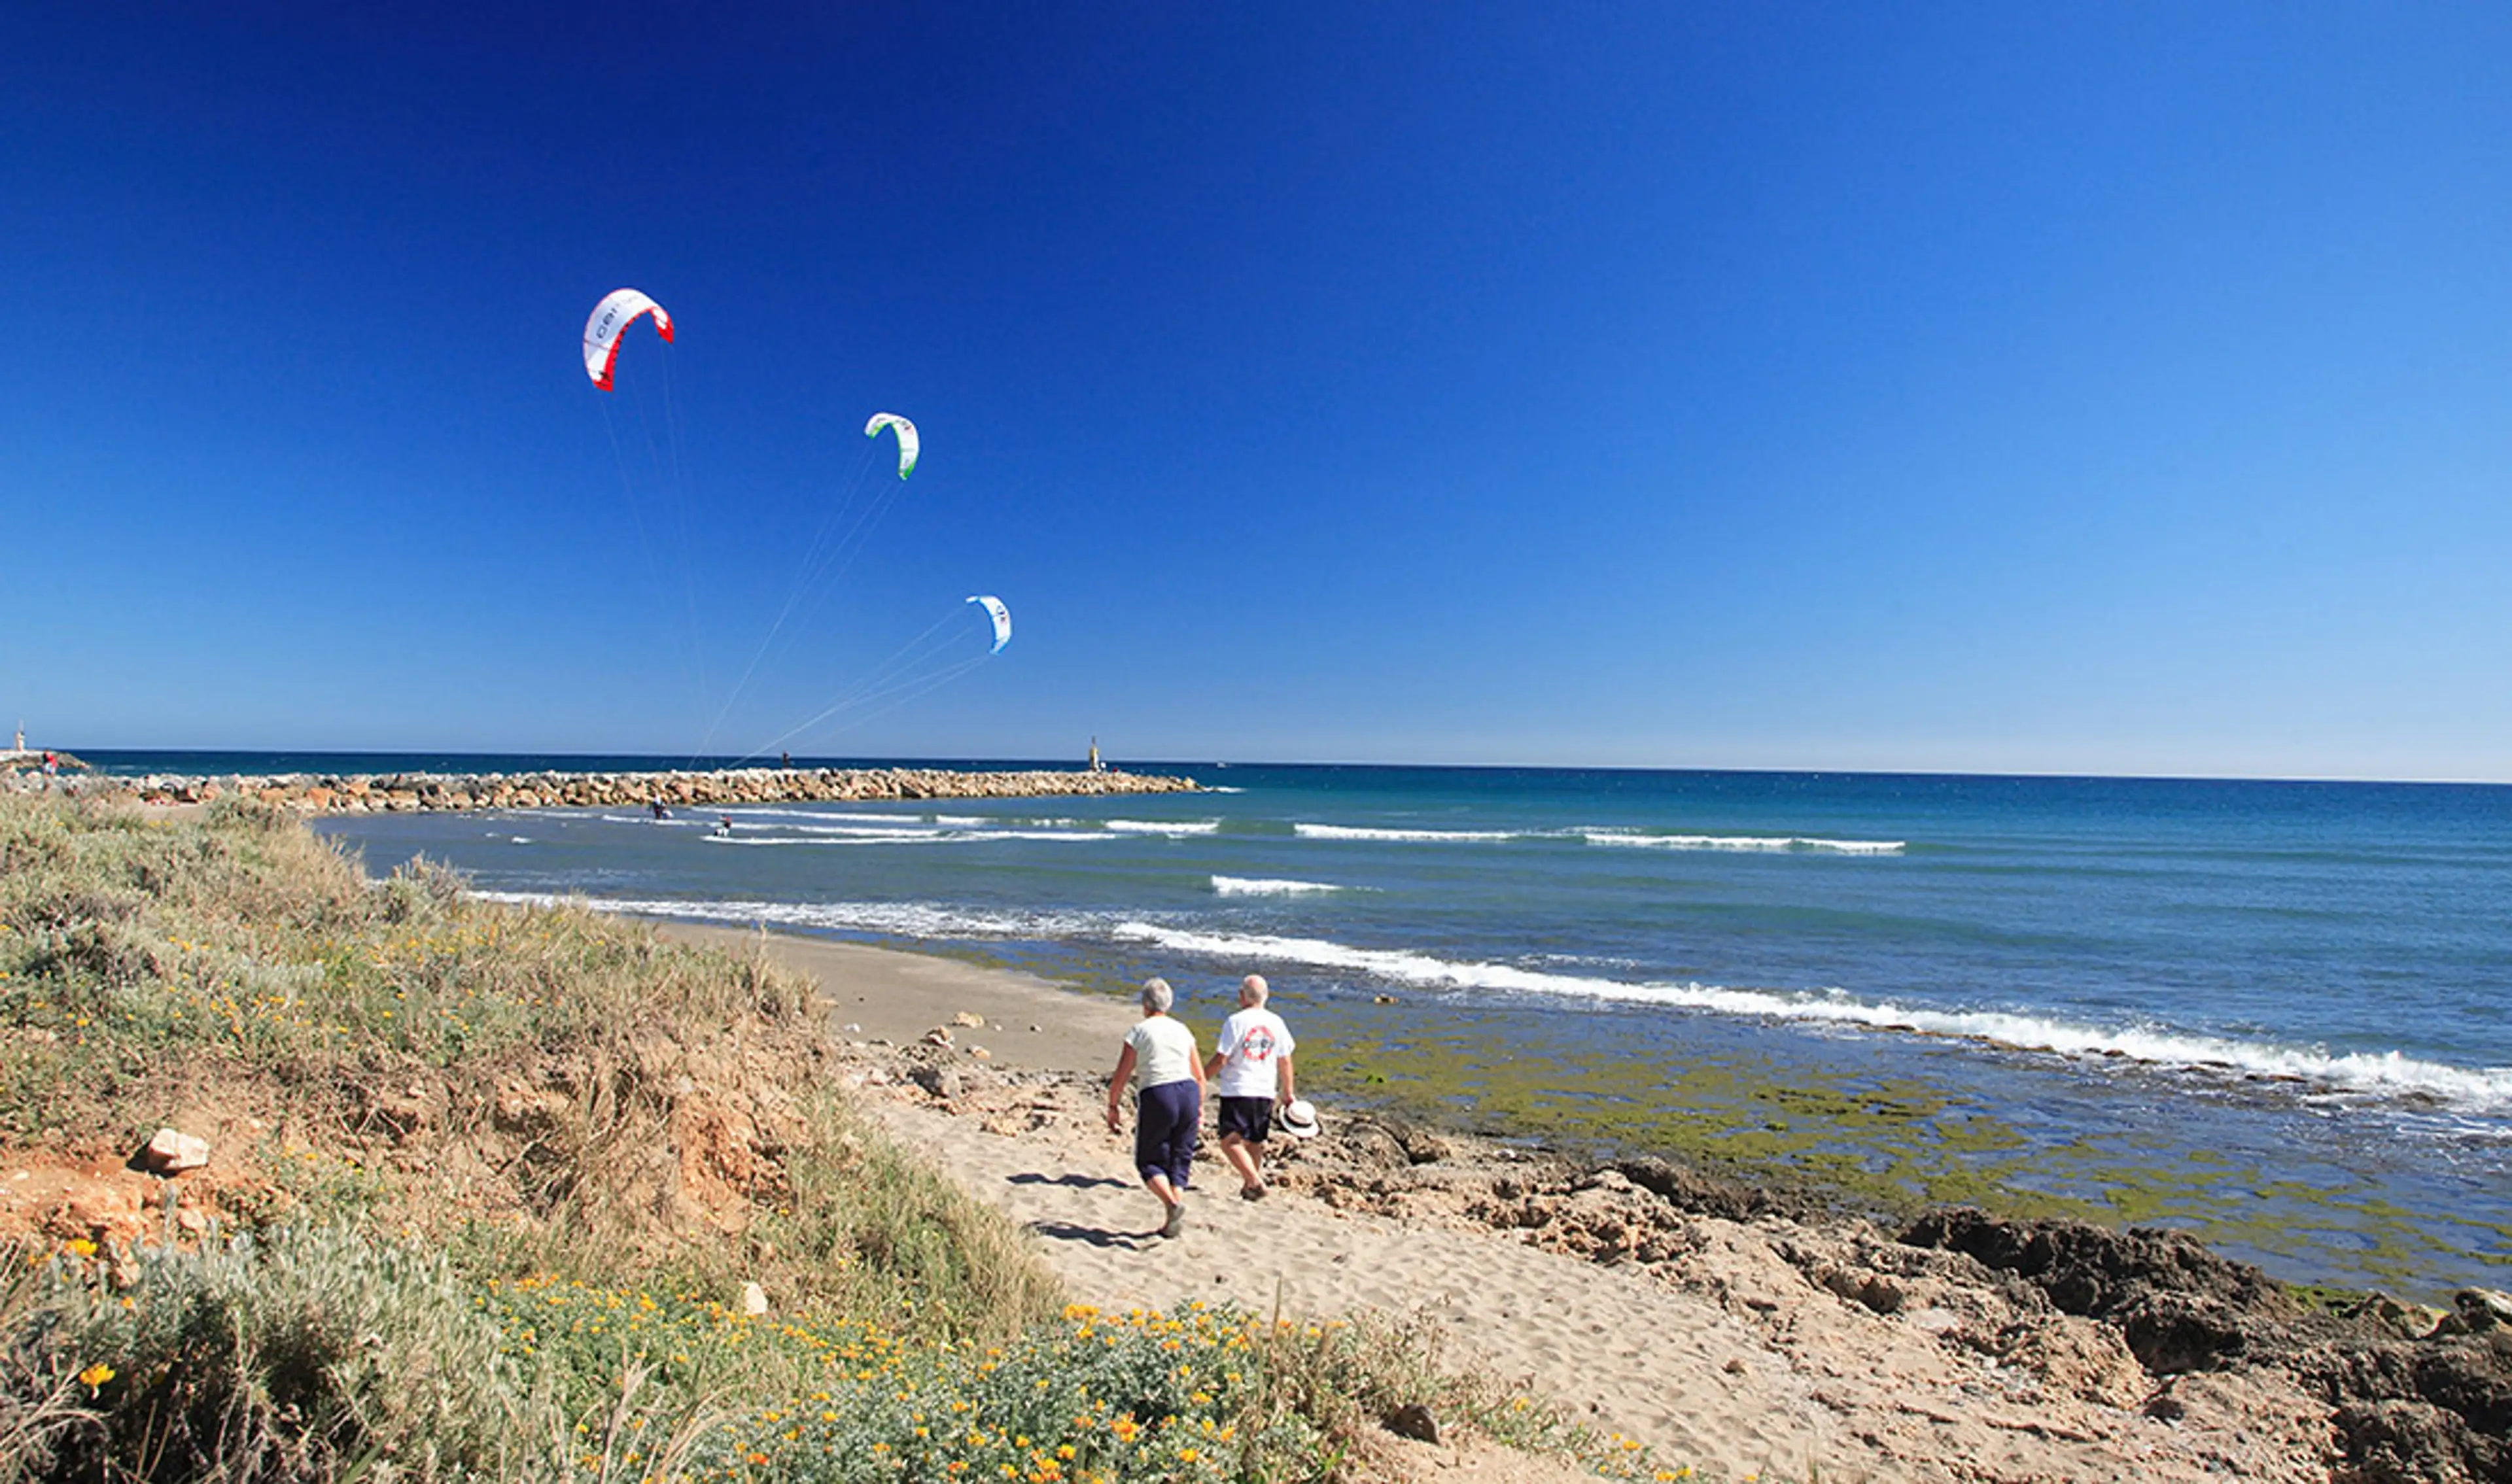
2279, 1015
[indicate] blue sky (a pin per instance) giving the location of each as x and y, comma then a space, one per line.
2101, 388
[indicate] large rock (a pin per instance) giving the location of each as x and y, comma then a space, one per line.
1694, 1193
1369, 1144
170, 1151
2098, 1272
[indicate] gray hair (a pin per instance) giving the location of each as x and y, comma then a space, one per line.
1252, 989
1158, 996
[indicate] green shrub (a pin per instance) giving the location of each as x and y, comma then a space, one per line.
580, 1324
309, 1355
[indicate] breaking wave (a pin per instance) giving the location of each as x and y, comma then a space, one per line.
2385, 1073
895, 919
868, 836
1374, 832
1600, 835
1259, 886
1771, 843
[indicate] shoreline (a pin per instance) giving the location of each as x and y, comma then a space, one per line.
1748, 1330
323, 794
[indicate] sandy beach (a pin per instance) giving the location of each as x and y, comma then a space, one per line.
1748, 1342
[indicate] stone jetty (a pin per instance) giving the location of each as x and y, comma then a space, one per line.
432, 793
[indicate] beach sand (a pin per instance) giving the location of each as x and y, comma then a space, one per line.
1746, 1344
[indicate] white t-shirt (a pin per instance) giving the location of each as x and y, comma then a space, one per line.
1250, 1043
1163, 1050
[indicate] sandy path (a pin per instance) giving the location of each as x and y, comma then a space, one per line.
1644, 1359
1737, 1353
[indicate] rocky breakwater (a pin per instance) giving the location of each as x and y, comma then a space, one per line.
426, 792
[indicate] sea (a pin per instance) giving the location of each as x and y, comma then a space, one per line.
2275, 1014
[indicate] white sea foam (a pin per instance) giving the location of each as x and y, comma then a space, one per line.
823, 816
1164, 826
853, 837
1771, 842
2384, 1074
925, 836
1373, 832
1602, 835
896, 828
1260, 887
902, 920
2388, 1074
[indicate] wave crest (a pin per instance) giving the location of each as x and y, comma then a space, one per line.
1770, 842
1262, 886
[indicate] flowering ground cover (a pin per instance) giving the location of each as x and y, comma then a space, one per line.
491, 1182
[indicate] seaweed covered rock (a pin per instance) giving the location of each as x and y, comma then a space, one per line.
2090, 1270
1698, 1194
2439, 1409
2179, 1307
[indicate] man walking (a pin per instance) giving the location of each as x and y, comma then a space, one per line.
1253, 1061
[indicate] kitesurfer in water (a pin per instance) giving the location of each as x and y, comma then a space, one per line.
656, 804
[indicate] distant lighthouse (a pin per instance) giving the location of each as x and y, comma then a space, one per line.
1096, 765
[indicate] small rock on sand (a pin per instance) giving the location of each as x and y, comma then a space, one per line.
941, 1081
172, 1152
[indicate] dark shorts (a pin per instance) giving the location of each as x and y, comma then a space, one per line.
1166, 1121
1250, 1118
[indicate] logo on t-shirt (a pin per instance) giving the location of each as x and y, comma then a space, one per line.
1257, 1045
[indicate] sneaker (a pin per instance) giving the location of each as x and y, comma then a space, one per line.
1251, 1192
1176, 1222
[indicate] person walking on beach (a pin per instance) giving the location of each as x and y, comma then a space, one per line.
1251, 1065
1161, 1058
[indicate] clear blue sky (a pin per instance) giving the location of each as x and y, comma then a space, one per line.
2120, 388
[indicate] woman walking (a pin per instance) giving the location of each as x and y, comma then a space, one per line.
1161, 1060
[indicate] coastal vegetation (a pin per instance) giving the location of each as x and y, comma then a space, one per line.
531, 1194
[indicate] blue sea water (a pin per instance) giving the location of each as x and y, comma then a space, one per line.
2279, 1014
